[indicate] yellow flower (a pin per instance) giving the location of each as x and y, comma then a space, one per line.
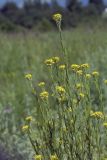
78, 86
62, 67
55, 59
44, 95
41, 84
49, 62
95, 73
105, 81
85, 65
97, 114
81, 95
38, 157
79, 72
29, 118
88, 76
57, 17
25, 128
54, 157
105, 124
75, 67
60, 89
28, 76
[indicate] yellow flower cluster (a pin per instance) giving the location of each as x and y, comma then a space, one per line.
85, 65
88, 76
105, 124
37, 157
75, 67
53, 157
28, 76
44, 95
57, 17
40, 157
60, 89
62, 67
41, 84
25, 128
79, 72
56, 59
51, 61
95, 74
29, 118
97, 114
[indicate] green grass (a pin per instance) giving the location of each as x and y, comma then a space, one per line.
21, 54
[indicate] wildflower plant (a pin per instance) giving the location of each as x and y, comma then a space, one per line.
69, 122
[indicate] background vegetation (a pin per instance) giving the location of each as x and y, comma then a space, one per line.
36, 15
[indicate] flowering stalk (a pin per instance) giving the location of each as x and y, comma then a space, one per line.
68, 117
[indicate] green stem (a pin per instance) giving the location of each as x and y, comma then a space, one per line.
31, 141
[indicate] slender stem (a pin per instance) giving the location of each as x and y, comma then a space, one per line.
31, 141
